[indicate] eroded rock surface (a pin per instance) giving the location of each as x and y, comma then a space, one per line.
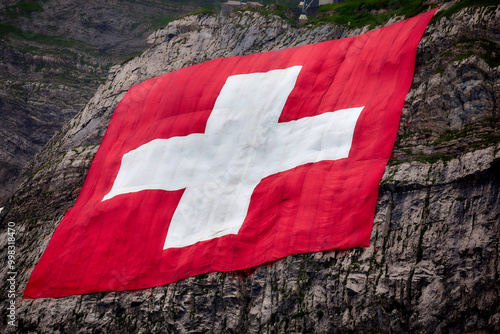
53, 56
433, 264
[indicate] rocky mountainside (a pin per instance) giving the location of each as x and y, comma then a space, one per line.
433, 264
53, 56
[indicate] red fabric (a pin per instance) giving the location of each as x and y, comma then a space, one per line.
118, 244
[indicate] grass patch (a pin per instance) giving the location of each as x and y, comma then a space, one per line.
157, 22
47, 165
200, 12
490, 51
283, 11
8, 28
439, 71
201, 277
488, 139
23, 8
421, 157
480, 134
210, 4
49, 40
360, 13
463, 56
461, 5
454, 134
131, 56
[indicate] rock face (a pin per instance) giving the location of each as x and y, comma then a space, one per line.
433, 264
53, 56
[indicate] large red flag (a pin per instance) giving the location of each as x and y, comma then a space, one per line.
235, 162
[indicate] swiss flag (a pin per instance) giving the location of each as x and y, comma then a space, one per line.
236, 162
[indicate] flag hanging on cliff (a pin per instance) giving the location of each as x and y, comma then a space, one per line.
235, 162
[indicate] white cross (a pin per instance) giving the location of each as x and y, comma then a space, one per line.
242, 144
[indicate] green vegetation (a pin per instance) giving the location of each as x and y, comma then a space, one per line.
28, 7
24, 8
47, 165
439, 71
461, 5
201, 277
279, 11
484, 138
157, 22
209, 4
282, 11
49, 40
359, 13
455, 134
473, 136
431, 159
8, 29
481, 47
200, 12
131, 56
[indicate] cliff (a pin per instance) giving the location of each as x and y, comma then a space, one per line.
53, 56
433, 264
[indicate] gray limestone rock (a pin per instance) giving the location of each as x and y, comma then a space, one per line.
53, 56
433, 264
